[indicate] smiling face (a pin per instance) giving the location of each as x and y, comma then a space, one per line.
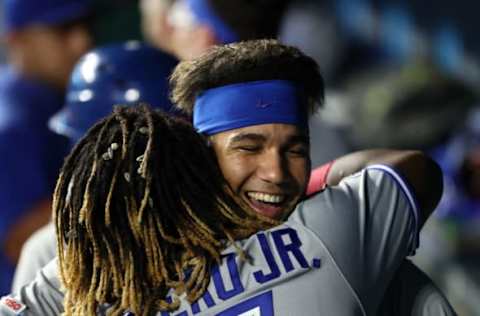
267, 166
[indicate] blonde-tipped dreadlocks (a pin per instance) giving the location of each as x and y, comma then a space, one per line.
139, 201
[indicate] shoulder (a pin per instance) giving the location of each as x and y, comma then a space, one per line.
374, 181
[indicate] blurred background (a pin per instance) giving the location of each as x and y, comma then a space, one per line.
399, 74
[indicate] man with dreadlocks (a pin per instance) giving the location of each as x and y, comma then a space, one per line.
336, 252
140, 202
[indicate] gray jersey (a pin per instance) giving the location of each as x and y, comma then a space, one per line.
37, 251
334, 256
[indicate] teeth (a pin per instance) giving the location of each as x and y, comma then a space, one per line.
264, 197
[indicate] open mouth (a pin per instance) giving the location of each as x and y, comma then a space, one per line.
270, 205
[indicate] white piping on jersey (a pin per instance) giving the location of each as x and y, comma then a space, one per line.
410, 198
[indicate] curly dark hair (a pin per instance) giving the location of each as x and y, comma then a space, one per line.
139, 202
243, 62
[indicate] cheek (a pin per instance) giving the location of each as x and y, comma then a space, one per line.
301, 172
236, 171
56, 49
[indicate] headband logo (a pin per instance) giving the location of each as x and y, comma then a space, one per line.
264, 104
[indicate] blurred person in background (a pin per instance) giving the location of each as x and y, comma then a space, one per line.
452, 241
106, 76
44, 40
154, 23
109, 22
196, 25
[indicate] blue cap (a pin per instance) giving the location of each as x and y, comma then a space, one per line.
22, 13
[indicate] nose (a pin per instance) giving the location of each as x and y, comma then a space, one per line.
273, 168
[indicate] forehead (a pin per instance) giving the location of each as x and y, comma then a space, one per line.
276, 132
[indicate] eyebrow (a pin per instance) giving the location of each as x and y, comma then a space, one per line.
295, 139
248, 137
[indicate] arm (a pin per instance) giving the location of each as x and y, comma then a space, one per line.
38, 250
40, 297
422, 173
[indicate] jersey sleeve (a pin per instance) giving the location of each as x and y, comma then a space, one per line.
37, 251
369, 225
40, 297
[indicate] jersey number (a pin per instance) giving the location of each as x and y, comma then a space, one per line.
260, 305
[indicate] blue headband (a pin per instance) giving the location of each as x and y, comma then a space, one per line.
203, 12
246, 104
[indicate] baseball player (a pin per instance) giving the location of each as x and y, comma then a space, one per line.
105, 76
44, 40
340, 245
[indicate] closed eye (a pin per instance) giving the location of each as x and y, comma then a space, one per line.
248, 142
252, 148
300, 152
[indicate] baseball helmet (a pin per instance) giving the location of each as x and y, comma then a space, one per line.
128, 74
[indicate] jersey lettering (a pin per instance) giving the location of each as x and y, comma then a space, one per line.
293, 247
234, 278
227, 285
259, 276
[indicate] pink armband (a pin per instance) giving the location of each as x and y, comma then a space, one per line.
318, 178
